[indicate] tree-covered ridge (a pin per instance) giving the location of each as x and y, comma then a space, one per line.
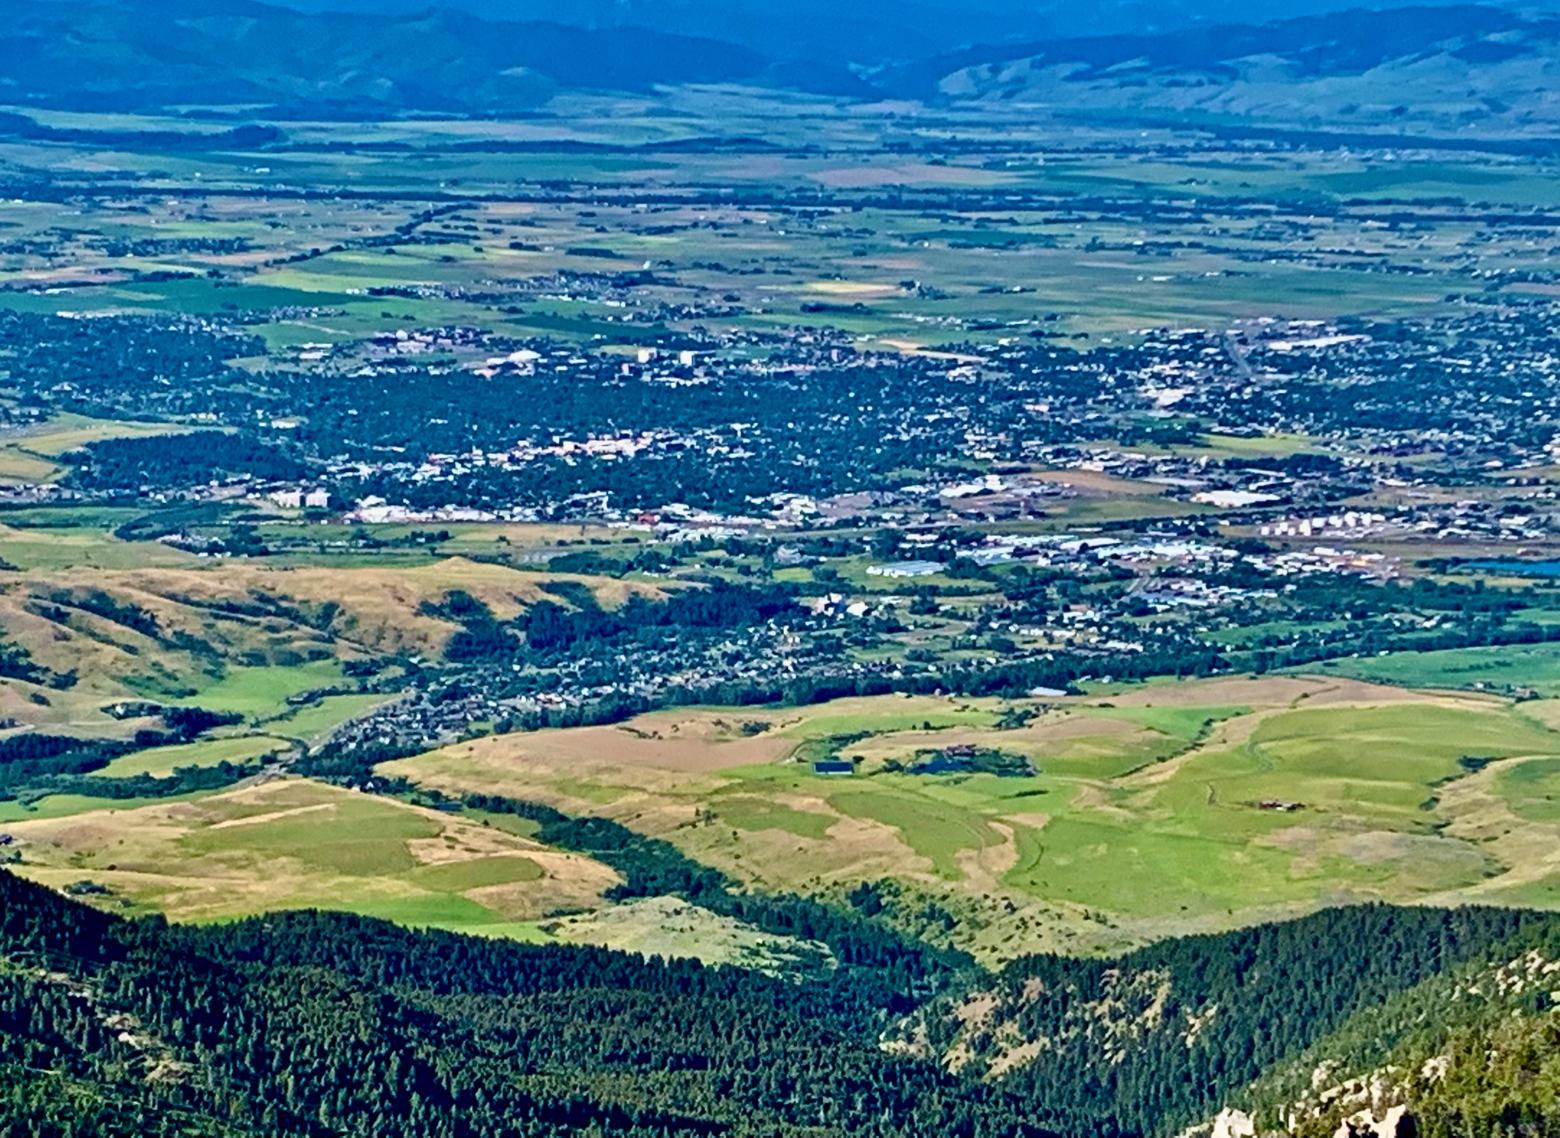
1471, 1050
883, 969
1155, 1040
317, 1024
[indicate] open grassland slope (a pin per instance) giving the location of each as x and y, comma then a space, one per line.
294, 843
1205, 805
95, 636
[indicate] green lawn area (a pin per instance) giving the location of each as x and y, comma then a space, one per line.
1243, 635
753, 812
935, 830
17, 464
1241, 446
1146, 807
451, 912
32, 453
1166, 732
67, 431
1363, 777
1196, 841
889, 715
458, 876
365, 837
82, 546
295, 843
1139, 870
1376, 763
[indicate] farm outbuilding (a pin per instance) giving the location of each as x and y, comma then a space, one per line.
834, 767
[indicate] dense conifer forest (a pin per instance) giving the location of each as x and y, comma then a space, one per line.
318, 1024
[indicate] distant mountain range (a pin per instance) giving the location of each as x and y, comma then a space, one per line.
1451, 68
107, 54
871, 33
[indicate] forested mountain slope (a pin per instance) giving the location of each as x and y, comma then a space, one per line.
868, 31
1451, 66
316, 1024
1152, 1041
1472, 1050
311, 1024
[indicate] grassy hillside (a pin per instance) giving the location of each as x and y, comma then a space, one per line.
1086, 824
241, 636
294, 843
1199, 805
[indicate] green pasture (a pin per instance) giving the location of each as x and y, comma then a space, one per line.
1143, 812
160, 762
1531, 666
262, 691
